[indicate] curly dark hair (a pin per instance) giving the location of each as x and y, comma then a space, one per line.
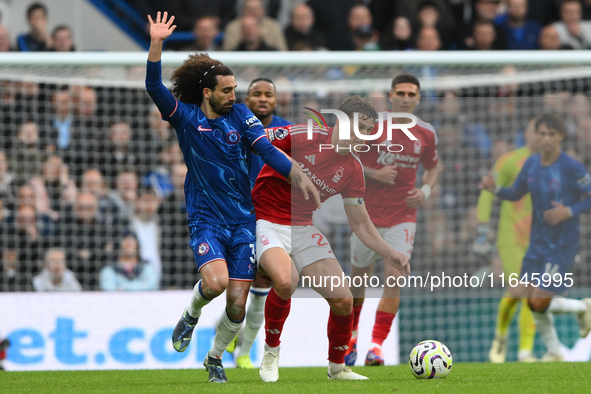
552, 121
360, 105
199, 71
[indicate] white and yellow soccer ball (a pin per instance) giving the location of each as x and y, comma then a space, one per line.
430, 360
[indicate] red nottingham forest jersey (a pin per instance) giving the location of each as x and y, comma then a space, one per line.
385, 203
276, 201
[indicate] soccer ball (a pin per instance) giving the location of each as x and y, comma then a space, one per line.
430, 360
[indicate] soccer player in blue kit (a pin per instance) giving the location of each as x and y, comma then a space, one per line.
556, 183
216, 137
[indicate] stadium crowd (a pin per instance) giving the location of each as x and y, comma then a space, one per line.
300, 25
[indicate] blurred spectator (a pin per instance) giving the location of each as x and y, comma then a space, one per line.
38, 38
89, 243
280, 10
398, 37
108, 209
301, 32
125, 193
435, 13
26, 198
251, 39
179, 269
207, 35
383, 12
7, 183
159, 179
60, 123
128, 272
146, 226
521, 33
13, 277
428, 39
62, 39
331, 19
26, 157
55, 275
4, 39
544, 12
550, 40
270, 31
120, 151
362, 35
484, 37
54, 189
571, 29
32, 233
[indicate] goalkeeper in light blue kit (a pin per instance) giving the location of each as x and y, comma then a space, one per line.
216, 137
556, 183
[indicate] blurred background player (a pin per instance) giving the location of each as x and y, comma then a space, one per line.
512, 241
261, 99
213, 132
556, 183
392, 201
289, 246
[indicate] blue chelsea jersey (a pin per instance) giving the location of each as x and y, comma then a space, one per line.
564, 181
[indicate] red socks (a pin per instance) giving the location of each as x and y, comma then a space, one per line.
276, 312
339, 334
381, 328
356, 314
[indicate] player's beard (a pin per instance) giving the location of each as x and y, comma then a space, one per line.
219, 107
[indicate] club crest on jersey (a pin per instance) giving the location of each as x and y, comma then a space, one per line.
417, 147
281, 133
338, 175
203, 249
233, 137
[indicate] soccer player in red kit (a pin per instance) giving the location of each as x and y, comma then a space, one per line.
289, 246
392, 201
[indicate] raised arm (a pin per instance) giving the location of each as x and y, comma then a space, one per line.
159, 31
513, 193
368, 234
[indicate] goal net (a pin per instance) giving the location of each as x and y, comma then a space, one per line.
86, 161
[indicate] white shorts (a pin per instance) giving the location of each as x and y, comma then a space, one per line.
305, 244
400, 237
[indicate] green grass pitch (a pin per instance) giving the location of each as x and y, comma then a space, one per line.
464, 378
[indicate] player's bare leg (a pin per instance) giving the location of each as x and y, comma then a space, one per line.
385, 313
277, 264
544, 304
358, 299
255, 316
340, 322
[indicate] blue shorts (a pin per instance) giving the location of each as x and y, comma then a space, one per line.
233, 244
553, 269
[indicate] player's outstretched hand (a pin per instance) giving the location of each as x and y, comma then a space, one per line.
386, 174
399, 261
415, 198
161, 29
557, 214
488, 183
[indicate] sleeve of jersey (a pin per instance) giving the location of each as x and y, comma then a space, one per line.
583, 184
519, 187
272, 156
356, 187
163, 99
430, 157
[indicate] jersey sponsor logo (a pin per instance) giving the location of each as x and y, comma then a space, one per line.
311, 158
233, 137
252, 121
338, 175
323, 186
201, 128
584, 181
281, 133
203, 249
388, 158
